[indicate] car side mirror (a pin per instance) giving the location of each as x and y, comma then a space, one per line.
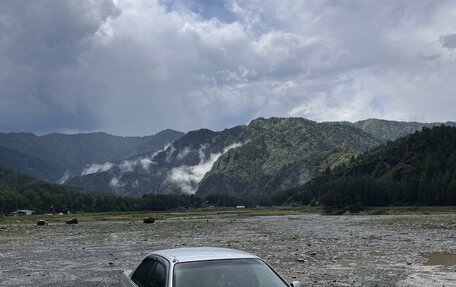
296, 284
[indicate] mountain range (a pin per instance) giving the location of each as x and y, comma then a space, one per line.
252, 161
57, 157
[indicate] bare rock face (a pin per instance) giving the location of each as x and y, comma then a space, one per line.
41, 222
72, 221
149, 220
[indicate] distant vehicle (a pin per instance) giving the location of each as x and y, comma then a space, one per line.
203, 267
24, 212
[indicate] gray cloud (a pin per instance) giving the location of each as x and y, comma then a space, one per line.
448, 41
137, 66
40, 40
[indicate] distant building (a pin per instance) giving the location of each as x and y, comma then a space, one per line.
240, 207
24, 212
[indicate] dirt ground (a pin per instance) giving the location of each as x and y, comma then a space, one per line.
317, 250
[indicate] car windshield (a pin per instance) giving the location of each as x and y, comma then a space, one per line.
226, 273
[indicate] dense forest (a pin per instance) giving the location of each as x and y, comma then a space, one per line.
419, 169
18, 191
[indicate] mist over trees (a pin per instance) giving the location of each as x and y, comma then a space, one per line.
18, 191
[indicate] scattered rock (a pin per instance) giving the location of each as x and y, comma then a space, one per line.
149, 220
72, 221
41, 222
304, 250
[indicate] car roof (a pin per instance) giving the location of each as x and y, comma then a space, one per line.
201, 254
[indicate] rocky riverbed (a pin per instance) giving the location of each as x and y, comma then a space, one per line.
317, 250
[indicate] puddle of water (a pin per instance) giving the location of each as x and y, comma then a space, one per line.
440, 258
427, 276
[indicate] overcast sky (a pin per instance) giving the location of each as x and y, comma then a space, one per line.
135, 67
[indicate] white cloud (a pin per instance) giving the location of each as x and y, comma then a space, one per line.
94, 168
146, 163
64, 178
232, 146
183, 153
188, 177
128, 166
115, 183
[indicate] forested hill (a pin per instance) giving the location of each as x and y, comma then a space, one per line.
18, 191
419, 169
280, 153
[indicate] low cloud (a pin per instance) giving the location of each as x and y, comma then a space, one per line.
64, 178
146, 163
94, 168
183, 153
128, 166
115, 183
188, 177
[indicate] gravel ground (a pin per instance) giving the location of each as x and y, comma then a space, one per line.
317, 250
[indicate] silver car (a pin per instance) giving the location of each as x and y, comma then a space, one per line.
203, 267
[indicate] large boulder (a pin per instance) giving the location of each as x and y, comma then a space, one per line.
72, 221
41, 222
149, 220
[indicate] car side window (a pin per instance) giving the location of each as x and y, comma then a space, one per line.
143, 272
158, 276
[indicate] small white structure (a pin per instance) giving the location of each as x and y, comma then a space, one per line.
240, 206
